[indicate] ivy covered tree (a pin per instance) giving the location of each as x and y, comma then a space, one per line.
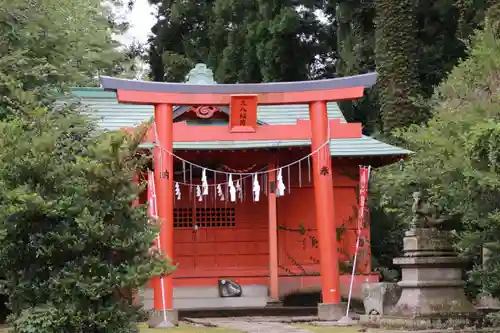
397, 63
457, 156
73, 246
439, 37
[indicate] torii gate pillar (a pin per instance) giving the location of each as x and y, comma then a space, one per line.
330, 308
164, 314
243, 99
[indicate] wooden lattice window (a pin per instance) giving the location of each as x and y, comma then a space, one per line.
215, 217
183, 217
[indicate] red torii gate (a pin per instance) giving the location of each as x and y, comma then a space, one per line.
243, 100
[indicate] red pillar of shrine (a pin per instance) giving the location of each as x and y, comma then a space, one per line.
164, 185
273, 238
325, 215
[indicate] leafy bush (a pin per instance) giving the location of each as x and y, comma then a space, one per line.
73, 247
457, 156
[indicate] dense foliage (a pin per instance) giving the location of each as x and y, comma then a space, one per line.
353, 23
438, 41
181, 38
266, 41
72, 246
46, 47
418, 43
242, 41
457, 156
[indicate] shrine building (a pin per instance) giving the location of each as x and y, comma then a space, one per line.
301, 240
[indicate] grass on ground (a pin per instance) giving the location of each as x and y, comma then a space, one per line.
322, 329
183, 328
180, 329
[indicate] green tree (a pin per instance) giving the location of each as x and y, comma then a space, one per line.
439, 36
243, 41
397, 64
457, 155
444, 27
354, 28
46, 47
181, 38
265, 41
73, 247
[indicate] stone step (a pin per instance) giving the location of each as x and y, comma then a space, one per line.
210, 292
220, 303
253, 296
212, 303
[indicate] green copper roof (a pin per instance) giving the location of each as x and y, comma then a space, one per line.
112, 115
364, 146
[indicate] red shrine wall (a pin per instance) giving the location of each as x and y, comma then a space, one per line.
232, 238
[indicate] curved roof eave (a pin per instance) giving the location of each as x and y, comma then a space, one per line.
363, 80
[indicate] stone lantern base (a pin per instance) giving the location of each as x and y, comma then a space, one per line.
432, 293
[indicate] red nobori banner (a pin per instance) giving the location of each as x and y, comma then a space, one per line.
151, 196
364, 179
152, 212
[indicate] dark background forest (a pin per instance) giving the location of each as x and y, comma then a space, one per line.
412, 45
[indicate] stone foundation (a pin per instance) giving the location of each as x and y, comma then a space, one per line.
379, 298
331, 312
274, 303
431, 277
157, 318
485, 302
441, 323
432, 294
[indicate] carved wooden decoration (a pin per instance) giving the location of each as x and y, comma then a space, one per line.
204, 112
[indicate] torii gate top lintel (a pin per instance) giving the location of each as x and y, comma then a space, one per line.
146, 92
243, 100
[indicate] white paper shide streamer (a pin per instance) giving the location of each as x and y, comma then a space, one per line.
232, 189
204, 182
220, 193
256, 188
238, 190
198, 193
280, 190
177, 191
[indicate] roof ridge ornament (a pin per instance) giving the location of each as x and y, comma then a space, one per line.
200, 74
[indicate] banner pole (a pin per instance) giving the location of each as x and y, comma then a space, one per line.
362, 204
153, 213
